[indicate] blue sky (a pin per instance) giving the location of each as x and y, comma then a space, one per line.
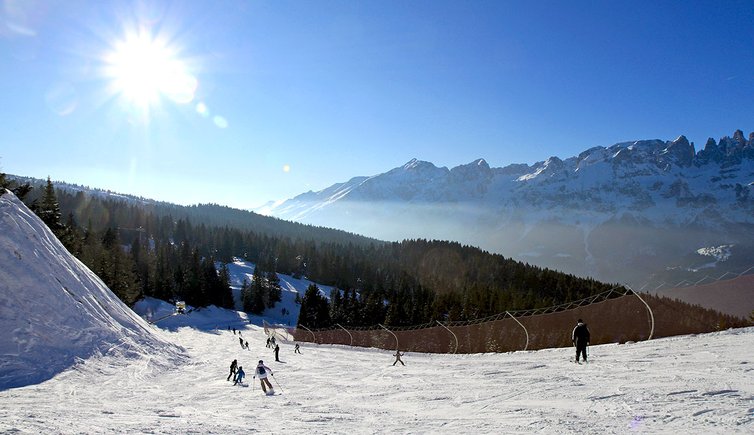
265, 100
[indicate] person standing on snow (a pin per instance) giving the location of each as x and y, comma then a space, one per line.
277, 350
239, 376
296, 349
240, 340
233, 366
398, 356
268, 341
580, 338
261, 372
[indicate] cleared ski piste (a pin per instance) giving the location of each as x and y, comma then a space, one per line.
688, 384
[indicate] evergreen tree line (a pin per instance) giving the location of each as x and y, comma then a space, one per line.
137, 266
401, 283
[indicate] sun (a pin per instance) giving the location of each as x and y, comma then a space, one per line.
144, 70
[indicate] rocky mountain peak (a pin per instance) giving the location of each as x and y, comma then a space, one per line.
680, 151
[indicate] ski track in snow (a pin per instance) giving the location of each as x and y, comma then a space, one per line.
689, 384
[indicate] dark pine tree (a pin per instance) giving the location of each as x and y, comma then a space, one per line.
49, 210
258, 292
315, 310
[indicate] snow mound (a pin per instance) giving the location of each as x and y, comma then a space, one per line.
54, 311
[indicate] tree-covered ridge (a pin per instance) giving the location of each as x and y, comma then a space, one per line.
143, 248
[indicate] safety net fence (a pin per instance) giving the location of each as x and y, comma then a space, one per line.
618, 315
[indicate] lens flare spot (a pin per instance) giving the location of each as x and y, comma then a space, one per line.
202, 109
286, 168
220, 122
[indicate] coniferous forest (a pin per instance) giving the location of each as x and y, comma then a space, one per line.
145, 248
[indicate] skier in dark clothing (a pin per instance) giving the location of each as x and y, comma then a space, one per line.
233, 366
296, 349
580, 338
398, 359
268, 341
246, 345
277, 350
240, 340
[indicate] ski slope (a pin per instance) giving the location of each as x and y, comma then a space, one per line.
688, 384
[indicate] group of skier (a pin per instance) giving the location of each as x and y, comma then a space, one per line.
261, 371
580, 337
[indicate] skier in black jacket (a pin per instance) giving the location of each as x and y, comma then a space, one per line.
580, 338
233, 366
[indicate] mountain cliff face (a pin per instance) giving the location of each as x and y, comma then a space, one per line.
619, 213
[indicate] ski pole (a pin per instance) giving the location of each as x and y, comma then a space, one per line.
276, 381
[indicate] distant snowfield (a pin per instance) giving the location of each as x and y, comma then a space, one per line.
689, 384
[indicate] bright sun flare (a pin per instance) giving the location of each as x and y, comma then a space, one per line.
143, 70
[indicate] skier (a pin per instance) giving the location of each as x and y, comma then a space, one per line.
233, 366
580, 338
240, 340
268, 341
398, 356
239, 376
246, 345
272, 342
234, 331
277, 349
261, 372
295, 349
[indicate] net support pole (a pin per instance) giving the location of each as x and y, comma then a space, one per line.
347, 332
526, 346
452, 333
394, 336
314, 337
651, 315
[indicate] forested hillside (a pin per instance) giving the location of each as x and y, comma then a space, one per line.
145, 248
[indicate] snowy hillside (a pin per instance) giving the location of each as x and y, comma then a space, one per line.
241, 270
660, 201
689, 384
54, 312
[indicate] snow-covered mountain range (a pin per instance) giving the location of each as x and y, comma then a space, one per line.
619, 213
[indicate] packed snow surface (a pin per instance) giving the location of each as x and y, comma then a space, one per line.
688, 384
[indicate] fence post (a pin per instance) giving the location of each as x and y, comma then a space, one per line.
651, 315
347, 332
453, 333
396, 337
526, 346
314, 337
